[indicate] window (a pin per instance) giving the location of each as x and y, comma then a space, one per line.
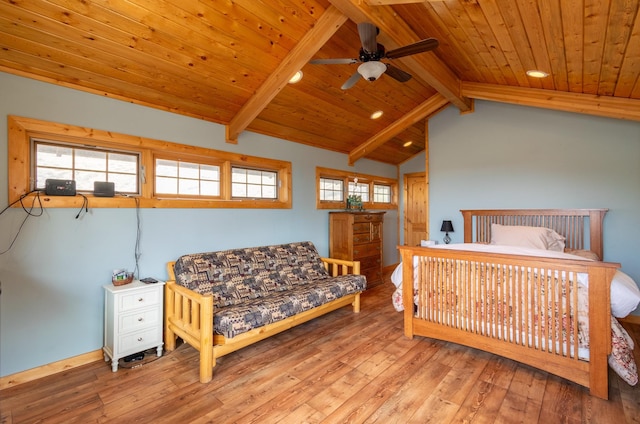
84, 166
157, 173
381, 193
359, 189
253, 183
187, 178
333, 187
331, 190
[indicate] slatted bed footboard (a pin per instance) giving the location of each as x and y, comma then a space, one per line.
551, 313
526, 309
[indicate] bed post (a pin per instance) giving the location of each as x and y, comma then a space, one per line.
596, 242
600, 329
468, 226
407, 290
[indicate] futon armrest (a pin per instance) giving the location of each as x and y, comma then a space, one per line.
341, 267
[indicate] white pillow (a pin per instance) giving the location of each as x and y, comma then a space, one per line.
523, 236
625, 295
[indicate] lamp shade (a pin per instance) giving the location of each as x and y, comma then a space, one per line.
371, 71
447, 226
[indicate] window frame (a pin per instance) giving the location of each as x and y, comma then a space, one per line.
34, 142
21, 130
347, 177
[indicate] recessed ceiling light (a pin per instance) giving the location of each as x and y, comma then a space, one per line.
376, 114
407, 144
296, 77
537, 74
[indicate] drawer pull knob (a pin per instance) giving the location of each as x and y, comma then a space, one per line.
140, 319
139, 339
141, 299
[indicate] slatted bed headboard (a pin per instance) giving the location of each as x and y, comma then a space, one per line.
574, 224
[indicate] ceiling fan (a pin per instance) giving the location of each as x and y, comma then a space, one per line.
371, 52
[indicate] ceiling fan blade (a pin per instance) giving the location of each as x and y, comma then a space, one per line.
353, 79
397, 73
419, 47
333, 61
368, 33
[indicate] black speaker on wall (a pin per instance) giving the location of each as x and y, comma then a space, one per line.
53, 187
103, 189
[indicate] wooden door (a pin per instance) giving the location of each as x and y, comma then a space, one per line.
416, 209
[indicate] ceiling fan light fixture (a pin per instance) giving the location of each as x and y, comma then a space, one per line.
377, 114
537, 74
296, 77
372, 70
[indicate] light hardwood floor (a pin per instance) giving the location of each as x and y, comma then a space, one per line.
343, 367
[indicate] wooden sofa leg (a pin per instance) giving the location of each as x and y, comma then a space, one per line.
169, 339
169, 335
207, 362
207, 357
356, 303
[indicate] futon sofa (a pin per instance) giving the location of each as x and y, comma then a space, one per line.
222, 301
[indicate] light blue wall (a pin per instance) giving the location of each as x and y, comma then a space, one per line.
51, 304
506, 156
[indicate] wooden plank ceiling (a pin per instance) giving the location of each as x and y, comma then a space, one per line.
229, 61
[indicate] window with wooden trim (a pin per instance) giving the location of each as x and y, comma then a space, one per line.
156, 173
382, 193
333, 186
247, 183
331, 190
186, 178
84, 165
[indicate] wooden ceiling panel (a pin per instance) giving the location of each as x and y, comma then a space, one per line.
227, 61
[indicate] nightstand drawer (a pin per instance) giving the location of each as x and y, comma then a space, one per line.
139, 341
139, 299
138, 319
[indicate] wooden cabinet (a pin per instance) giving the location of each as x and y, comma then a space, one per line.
133, 320
357, 236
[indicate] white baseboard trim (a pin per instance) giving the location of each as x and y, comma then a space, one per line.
50, 369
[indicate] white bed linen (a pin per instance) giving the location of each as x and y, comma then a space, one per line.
625, 294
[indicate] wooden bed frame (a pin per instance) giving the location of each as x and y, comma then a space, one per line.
451, 305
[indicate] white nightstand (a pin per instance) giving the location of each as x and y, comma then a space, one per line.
132, 319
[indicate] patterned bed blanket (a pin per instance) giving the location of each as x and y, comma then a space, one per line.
621, 360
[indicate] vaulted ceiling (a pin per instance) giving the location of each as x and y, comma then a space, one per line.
229, 61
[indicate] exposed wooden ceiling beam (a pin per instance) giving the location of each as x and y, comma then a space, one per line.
426, 66
432, 105
327, 24
611, 107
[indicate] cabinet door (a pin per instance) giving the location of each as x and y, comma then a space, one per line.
341, 236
